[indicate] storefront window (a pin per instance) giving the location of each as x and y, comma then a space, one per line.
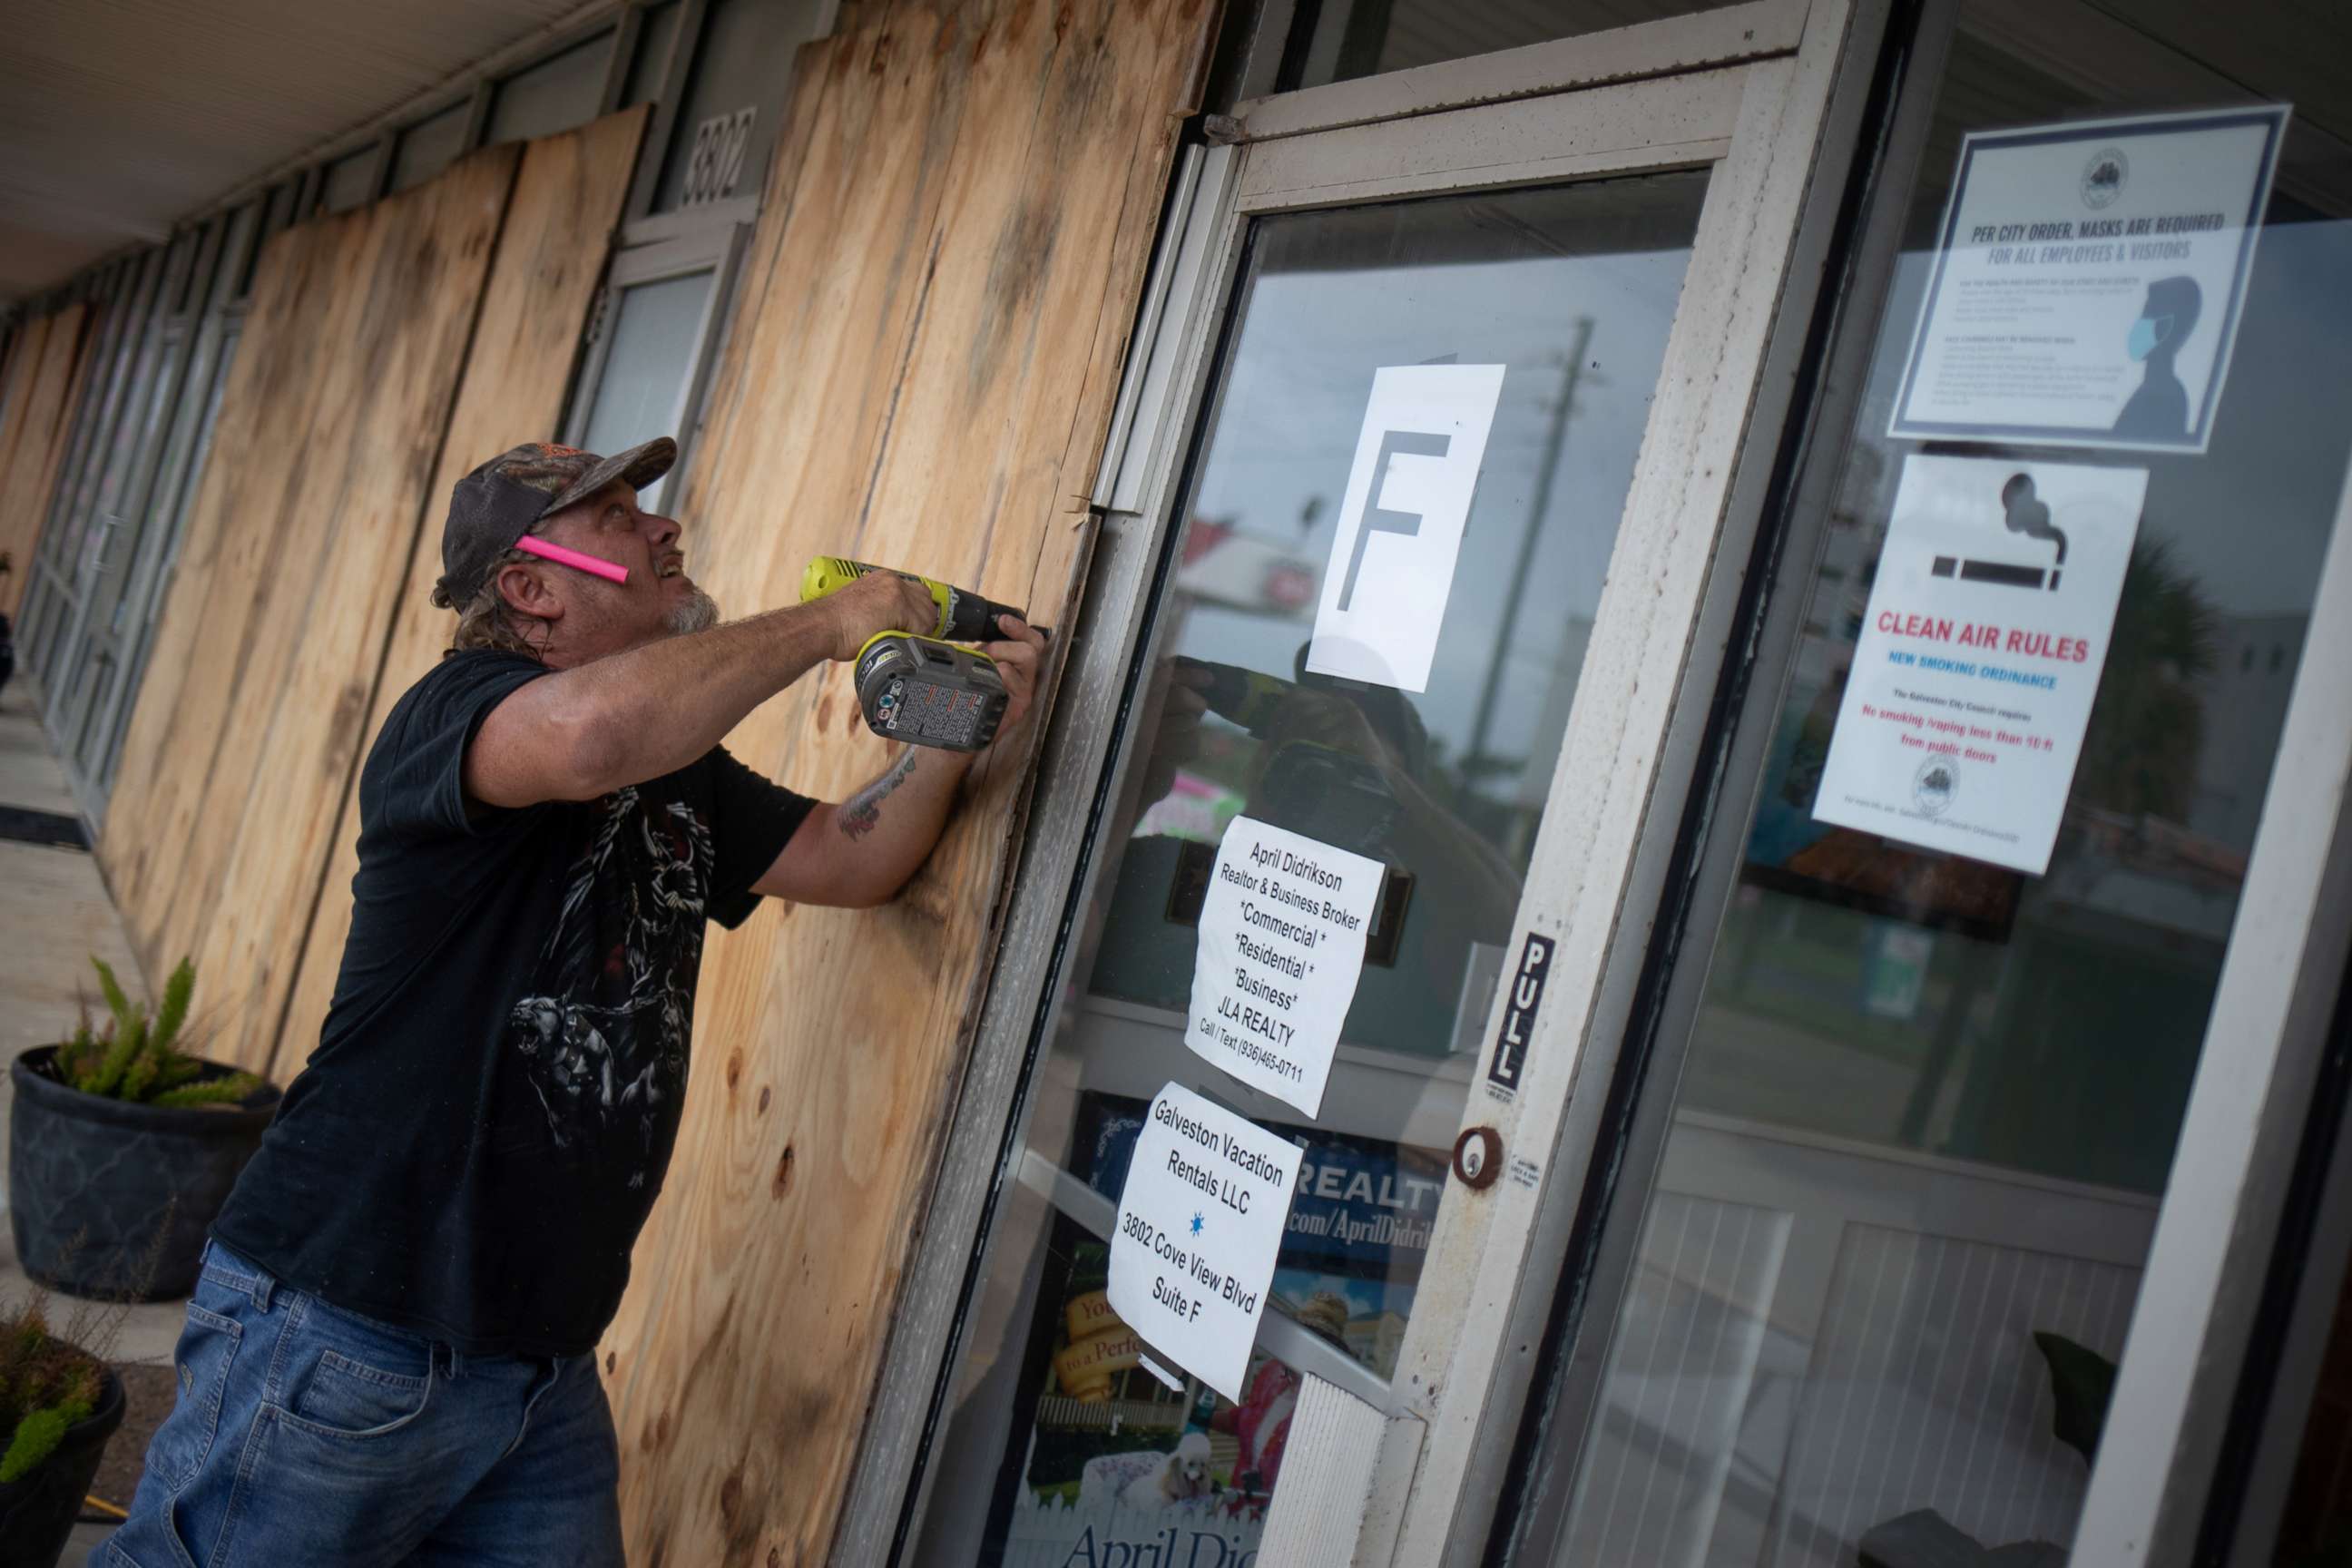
1928, 1110
656, 331
1340, 40
1561, 299
553, 95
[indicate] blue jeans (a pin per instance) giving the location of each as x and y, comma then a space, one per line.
304, 1434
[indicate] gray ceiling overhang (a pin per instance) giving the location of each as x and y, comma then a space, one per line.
119, 117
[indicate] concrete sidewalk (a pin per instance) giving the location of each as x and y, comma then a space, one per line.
53, 914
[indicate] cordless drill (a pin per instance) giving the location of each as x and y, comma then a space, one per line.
926, 689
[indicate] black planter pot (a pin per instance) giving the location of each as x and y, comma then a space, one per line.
91, 1181
37, 1511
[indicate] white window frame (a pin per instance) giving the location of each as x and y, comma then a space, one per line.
717, 249
2247, 1109
1747, 93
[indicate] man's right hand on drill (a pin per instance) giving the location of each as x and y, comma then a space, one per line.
878, 602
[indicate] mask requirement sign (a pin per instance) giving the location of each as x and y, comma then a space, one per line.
1988, 629
2087, 281
1208, 1193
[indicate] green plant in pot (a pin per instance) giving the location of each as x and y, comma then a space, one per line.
123, 1145
59, 1403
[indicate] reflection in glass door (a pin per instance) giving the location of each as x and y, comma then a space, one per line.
1902, 1192
1558, 301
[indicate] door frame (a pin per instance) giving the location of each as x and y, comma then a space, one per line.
1756, 93
2266, 1045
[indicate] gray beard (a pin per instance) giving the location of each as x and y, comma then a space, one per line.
700, 612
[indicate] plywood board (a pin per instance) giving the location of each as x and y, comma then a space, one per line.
45, 379
20, 519
239, 751
196, 663
16, 387
921, 373
551, 257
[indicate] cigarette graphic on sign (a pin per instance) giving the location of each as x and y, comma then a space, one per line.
2027, 514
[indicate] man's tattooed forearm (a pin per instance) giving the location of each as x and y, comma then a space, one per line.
863, 811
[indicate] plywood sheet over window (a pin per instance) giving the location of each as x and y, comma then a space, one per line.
43, 383
922, 372
328, 454
550, 256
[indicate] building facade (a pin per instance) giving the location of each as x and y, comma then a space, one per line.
1789, 556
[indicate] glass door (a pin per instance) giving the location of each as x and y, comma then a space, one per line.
1411, 519
1560, 299
1891, 1189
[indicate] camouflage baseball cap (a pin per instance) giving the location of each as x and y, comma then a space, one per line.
496, 503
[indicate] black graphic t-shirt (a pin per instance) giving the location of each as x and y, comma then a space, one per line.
474, 1145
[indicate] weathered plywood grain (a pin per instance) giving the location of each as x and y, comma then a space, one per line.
948, 264
44, 383
20, 516
194, 667
550, 256
236, 767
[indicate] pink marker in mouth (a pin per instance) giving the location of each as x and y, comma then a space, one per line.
591, 564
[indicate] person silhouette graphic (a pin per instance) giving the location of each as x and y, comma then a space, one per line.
2159, 411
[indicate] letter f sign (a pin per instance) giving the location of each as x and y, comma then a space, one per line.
1380, 519
1415, 469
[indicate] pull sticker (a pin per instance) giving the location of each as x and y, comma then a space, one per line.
1519, 1015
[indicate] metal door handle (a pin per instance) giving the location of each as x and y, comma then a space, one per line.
105, 526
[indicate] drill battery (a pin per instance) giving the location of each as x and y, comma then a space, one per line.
929, 693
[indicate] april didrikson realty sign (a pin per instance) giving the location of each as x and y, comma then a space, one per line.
1200, 1224
1111, 1534
1980, 652
2087, 281
1281, 947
